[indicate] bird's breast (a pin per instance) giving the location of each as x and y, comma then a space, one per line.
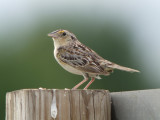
67, 67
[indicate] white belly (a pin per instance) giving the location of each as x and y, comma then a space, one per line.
68, 67
71, 69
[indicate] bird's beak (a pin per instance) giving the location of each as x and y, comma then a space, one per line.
52, 34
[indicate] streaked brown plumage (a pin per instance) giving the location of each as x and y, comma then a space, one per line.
77, 58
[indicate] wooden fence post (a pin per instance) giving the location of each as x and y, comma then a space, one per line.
47, 104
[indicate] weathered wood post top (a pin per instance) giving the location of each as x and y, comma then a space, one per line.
56, 104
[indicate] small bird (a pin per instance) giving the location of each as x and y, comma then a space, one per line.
79, 59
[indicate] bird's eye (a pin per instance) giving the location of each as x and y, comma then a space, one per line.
63, 33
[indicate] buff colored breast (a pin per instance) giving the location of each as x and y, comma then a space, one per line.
66, 66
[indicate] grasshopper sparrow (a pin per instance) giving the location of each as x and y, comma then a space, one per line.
78, 59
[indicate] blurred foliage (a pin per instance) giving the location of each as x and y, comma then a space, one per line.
26, 53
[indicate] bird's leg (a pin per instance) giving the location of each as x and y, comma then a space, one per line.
75, 87
92, 80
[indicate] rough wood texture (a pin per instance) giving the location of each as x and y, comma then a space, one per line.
136, 105
41, 104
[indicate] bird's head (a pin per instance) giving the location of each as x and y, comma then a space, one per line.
62, 37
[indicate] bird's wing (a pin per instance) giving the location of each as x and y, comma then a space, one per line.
80, 57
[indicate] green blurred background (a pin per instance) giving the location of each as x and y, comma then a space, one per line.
125, 32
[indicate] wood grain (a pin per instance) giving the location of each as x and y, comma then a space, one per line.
35, 104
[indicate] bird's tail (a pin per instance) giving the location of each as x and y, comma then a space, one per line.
115, 66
